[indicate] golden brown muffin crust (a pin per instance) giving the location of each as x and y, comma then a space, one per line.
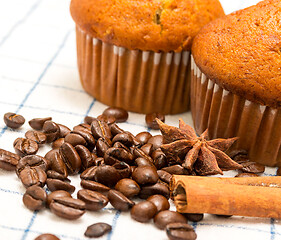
242, 52
148, 25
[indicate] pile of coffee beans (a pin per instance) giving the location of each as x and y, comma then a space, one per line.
114, 165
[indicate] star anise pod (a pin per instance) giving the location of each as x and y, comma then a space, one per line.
205, 157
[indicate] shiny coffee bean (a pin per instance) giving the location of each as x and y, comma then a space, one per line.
75, 139
128, 187
100, 129
32, 161
145, 175
85, 156
57, 143
35, 198
13, 120
159, 159
115, 129
52, 131
160, 202
90, 141
97, 230
83, 127
147, 148
94, 201
8, 160
37, 123
30, 176
143, 137
143, 211
99, 161
180, 231
47, 236
247, 175
164, 176
71, 158
67, 207
119, 201
88, 120
156, 141
157, 188
57, 164
55, 175
57, 184
95, 186
150, 120
50, 154
56, 194
123, 138
36, 136
194, 217
120, 114
162, 219
239, 155
89, 173
108, 119
252, 167
64, 130
25, 146
123, 169
121, 145
102, 146
139, 153
141, 162
176, 169
107, 175
114, 155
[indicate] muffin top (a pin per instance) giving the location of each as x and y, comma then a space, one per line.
148, 25
241, 52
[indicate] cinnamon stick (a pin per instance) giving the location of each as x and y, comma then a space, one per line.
253, 197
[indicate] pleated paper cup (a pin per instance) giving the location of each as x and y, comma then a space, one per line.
138, 81
228, 115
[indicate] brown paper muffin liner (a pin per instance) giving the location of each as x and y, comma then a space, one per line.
228, 115
139, 81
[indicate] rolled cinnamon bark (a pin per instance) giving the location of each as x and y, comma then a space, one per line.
228, 196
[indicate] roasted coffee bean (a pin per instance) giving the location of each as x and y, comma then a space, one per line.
97, 230
115, 155
278, 173
56, 175
36, 136
247, 175
160, 202
95, 186
158, 188
164, 176
107, 175
162, 219
52, 131
150, 120
143, 211
35, 198
128, 187
102, 146
143, 137
194, 217
57, 143
57, 194
159, 159
90, 141
67, 207
89, 173
37, 123
143, 162
115, 129
57, 164
136, 142
99, 161
94, 201
83, 127
156, 141
145, 175
88, 120
180, 231
30, 176
32, 161
147, 148
108, 119
120, 114
64, 130
25, 146
121, 145
238, 154
252, 167
123, 138
85, 156
47, 236
71, 158
8, 160
100, 129
57, 184
139, 153
50, 154
119, 201
75, 139
13, 120
123, 169
176, 169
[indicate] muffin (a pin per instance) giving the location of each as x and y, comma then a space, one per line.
236, 80
135, 54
